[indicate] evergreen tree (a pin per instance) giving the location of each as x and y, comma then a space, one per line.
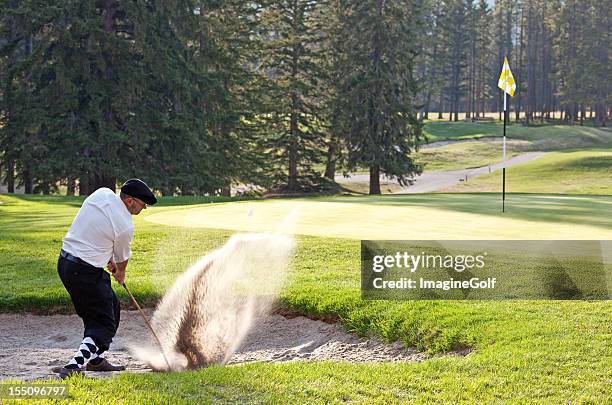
127, 99
377, 90
483, 56
455, 27
427, 60
227, 52
294, 117
330, 73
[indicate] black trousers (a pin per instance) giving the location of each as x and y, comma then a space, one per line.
93, 298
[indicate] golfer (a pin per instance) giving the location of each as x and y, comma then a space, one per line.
100, 235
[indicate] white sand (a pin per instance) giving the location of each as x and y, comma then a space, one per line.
30, 345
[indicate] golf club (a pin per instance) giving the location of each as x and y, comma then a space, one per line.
147, 322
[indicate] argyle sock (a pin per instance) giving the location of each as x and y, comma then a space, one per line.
85, 352
96, 360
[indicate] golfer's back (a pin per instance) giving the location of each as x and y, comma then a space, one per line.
102, 227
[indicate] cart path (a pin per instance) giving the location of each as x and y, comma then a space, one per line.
436, 181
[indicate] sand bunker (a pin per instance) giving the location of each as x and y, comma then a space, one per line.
51, 341
217, 312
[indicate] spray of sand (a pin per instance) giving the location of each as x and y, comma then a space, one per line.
210, 308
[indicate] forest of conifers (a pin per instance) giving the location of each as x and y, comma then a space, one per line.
195, 97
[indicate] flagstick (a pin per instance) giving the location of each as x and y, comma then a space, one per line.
504, 158
504, 76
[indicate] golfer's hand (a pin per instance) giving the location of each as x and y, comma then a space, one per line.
112, 267
119, 275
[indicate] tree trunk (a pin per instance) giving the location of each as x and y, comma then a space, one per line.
292, 183
431, 78
10, 176
543, 64
517, 113
28, 184
84, 185
531, 64
375, 126
480, 91
70, 186
375, 179
500, 49
330, 166
600, 111
468, 103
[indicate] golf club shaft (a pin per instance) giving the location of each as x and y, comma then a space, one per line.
146, 321
148, 324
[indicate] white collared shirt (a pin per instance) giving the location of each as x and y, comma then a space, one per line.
102, 229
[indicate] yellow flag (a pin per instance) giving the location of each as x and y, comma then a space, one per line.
506, 80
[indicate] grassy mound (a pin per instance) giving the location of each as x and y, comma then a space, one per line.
542, 137
574, 172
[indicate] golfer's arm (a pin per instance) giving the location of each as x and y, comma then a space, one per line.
121, 266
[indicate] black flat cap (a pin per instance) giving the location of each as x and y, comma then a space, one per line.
138, 189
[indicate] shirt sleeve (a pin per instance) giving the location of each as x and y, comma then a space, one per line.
122, 246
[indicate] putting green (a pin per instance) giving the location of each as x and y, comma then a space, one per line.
425, 216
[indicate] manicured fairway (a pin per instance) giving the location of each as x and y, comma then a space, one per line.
575, 172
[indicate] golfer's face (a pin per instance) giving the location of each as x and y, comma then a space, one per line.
136, 206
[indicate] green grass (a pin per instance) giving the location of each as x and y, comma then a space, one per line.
570, 172
519, 368
466, 155
32, 232
545, 351
409, 217
545, 137
542, 138
32, 229
363, 187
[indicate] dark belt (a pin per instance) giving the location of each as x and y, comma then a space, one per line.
75, 259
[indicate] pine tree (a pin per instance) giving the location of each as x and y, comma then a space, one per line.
220, 53
570, 73
377, 90
591, 59
329, 74
295, 120
458, 44
127, 98
427, 60
483, 57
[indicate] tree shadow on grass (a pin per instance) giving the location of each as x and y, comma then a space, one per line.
71, 201
557, 208
590, 163
77, 201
